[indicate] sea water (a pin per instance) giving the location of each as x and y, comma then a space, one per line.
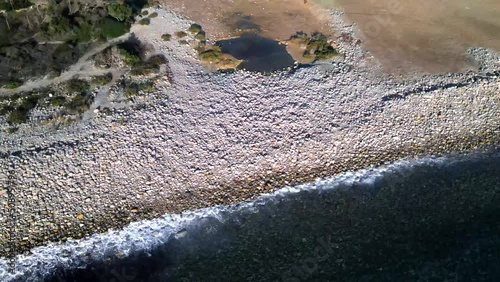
432, 219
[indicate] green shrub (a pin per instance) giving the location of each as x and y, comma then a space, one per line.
152, 65
79, 103
318, 47
28, 103
132, 90
145, 13
183, 42
180, 34
145, 21
6, 109
14, 5
57, 101
144, 69
77, 85
166, 37
129, 58
84, 33
195, 28
200, 35
211, 56
153, 15
17, 117
119, 11
60, 27
157, 60
20, 114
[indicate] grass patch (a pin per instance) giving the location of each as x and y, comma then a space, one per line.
166, 37
12, 85
153, 15
195, 28
144, 13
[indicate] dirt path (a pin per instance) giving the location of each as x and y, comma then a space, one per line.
82, 68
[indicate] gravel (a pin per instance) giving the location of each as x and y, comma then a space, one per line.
216, 138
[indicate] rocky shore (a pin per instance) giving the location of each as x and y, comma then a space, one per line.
219, 138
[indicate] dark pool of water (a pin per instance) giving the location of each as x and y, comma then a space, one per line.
258, 53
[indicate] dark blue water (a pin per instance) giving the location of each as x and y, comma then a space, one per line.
427, 220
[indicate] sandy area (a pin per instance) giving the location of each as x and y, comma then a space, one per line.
274, 19
426, 35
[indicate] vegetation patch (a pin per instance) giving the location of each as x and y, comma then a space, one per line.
12, 85
211, 56
119, 11
144, 21
79, 104
166, 37
153, 15
180, 34
133, 89
129, 58
112, 28
57, 101
34, 35
195, 28
151, 66
102, 79
77, 85
20, 113
316, 46
200, 35
14, 5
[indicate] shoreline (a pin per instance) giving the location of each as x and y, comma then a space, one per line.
243, 191
185, 149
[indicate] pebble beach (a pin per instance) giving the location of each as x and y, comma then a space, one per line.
208, 138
